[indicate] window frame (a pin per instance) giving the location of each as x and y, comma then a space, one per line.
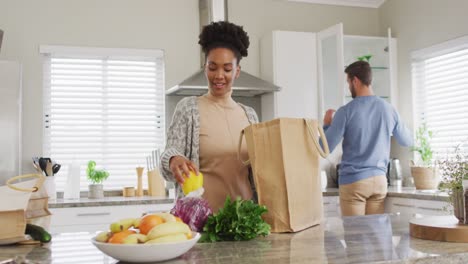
47, 51
424, 54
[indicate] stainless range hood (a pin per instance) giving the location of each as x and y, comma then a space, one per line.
246, 85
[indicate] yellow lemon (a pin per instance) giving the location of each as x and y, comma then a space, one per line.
192, 182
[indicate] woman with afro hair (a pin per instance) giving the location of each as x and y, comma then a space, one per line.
204, 131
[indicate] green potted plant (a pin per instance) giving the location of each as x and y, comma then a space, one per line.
454, 169
96, 189
425, 173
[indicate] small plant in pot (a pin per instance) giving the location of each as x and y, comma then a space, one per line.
96, 189
454, 170
425, 173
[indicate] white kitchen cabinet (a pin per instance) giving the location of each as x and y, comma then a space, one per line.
336, 51
98, 218
411, 207
288, 59
309, 67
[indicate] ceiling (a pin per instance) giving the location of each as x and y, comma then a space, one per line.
357, 3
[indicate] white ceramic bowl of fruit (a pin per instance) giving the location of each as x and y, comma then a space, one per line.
153, 237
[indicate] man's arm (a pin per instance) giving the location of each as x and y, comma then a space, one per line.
402, 134
334, 127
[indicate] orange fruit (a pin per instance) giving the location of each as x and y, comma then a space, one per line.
118, 238
149, 221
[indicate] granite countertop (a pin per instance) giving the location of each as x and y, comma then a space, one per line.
109, 201
360, 239
403, 192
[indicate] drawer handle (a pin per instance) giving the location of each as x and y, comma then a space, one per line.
428, 208
403, 205
93, 214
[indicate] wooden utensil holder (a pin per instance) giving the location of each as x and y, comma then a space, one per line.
156, 184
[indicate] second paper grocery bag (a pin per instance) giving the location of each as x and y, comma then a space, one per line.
284, 154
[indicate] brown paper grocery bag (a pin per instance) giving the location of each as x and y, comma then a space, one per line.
284, 154
21, 203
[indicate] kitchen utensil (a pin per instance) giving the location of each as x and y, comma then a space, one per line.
157, 158
56, 168
49, 170
153, 160
139, 191
43, 165
35, 160
36, 166
148, 163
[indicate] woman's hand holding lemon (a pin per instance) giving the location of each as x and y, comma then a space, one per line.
192, 182
180, 166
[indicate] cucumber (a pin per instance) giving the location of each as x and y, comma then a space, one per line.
38, 233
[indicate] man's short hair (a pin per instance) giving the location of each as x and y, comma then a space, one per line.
360, 70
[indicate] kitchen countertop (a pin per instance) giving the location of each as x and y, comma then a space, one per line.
360, 239
403, 192
109, 201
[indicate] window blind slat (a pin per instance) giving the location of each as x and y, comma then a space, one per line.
103, 108
440, 82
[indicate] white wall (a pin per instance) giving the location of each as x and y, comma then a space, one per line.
419, 24
262, 16
258, 17
171, 25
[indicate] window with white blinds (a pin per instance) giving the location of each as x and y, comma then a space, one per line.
440, 83
105, 105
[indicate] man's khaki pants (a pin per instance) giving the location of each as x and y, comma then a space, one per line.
364, 197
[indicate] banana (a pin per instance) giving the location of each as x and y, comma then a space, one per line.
167, 217
103, 236
170, 238
167, 229
136, 222
135, 239
122, 225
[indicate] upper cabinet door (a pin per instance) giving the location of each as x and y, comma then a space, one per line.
330, 68
391, 51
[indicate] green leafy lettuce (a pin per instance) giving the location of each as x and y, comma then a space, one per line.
236, 221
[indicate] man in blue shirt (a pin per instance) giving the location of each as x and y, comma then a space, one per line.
366, 125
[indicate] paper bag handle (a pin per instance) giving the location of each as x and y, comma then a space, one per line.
326, 151
247, 162
40, 181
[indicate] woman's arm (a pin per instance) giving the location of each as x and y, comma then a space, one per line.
177, 136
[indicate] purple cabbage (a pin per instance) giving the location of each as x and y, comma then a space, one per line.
194, 211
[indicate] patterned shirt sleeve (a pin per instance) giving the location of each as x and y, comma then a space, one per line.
177, 137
